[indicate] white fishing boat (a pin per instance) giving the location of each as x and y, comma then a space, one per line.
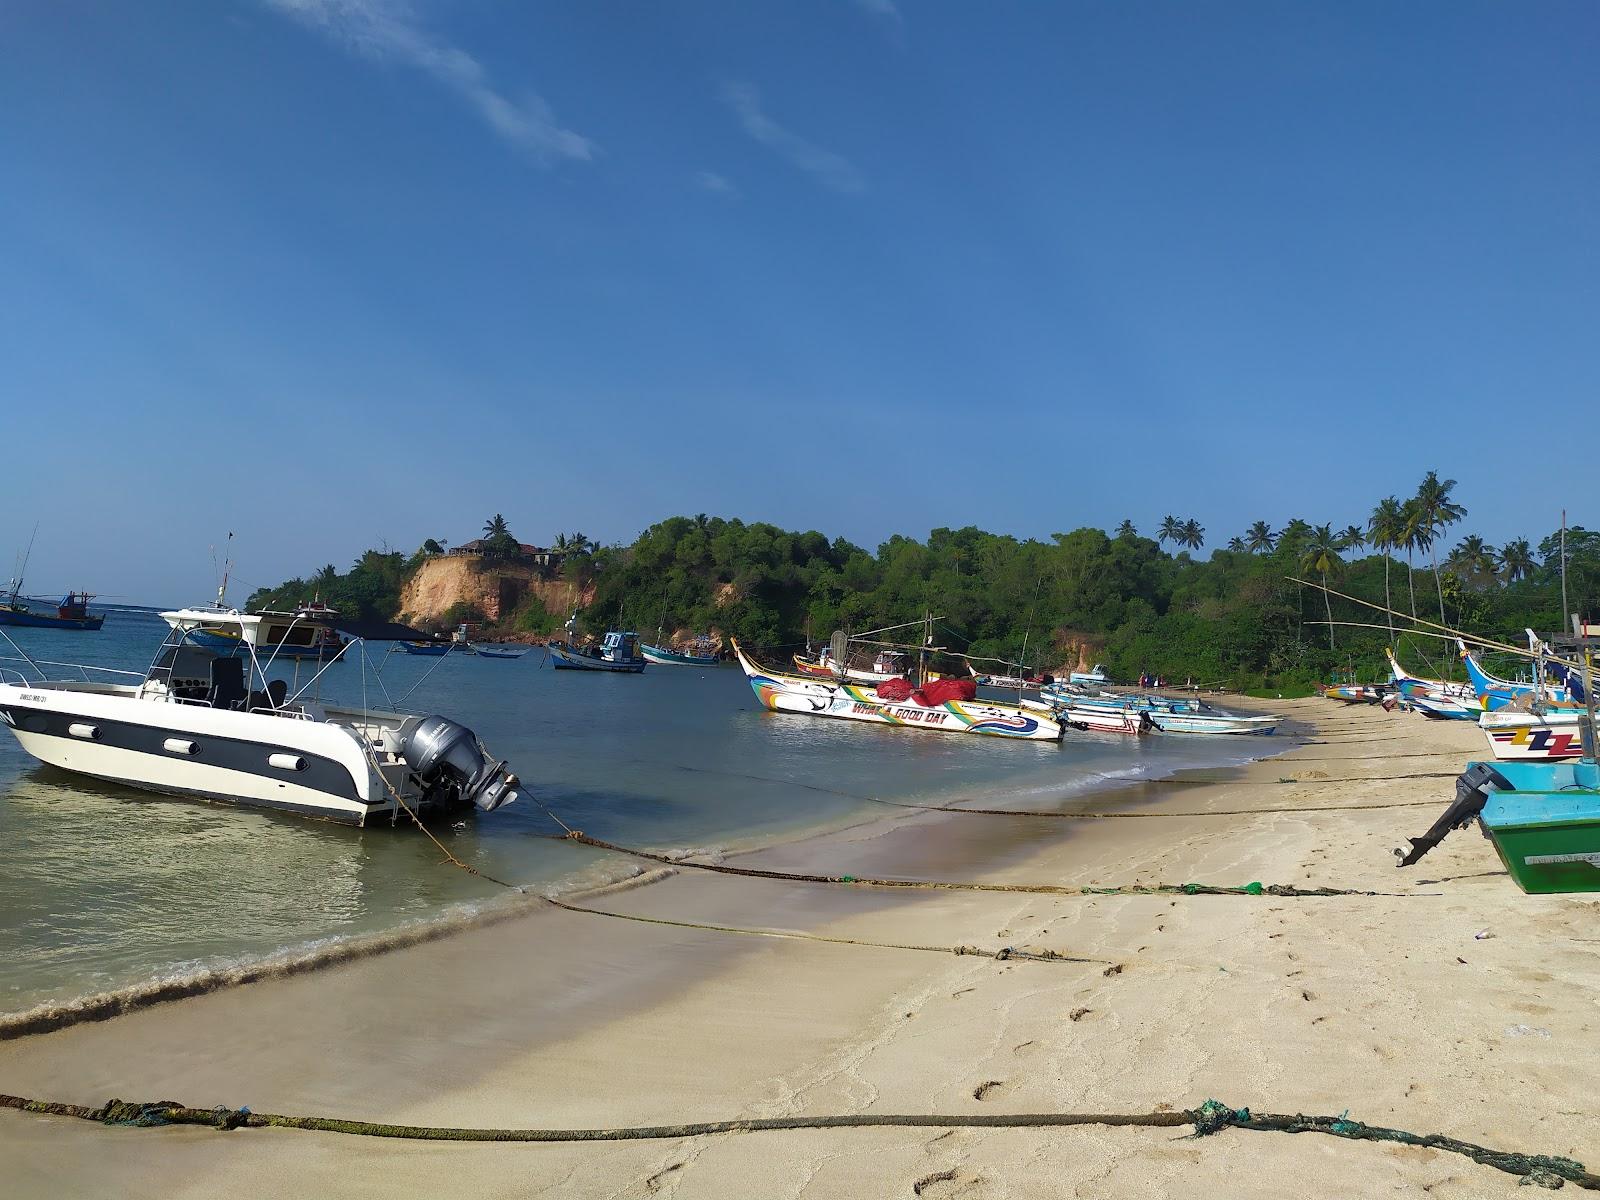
1521, 735
886, 665
1099, 720
848, 700
1167, 714
209, 724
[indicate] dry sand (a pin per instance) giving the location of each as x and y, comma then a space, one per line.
1386, 1006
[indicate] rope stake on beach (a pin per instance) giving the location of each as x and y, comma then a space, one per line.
1212, 1117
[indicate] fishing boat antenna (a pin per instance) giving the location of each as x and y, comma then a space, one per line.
22, 571
1564, 560
227, 566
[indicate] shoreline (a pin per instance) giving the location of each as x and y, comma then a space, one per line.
1386, 1006
874, 817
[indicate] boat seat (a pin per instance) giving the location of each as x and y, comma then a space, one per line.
270, 700
227, 688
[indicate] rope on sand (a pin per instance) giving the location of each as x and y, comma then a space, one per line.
1001, 955
1212, 1117
1041, 889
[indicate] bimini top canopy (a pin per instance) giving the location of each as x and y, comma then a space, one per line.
248, 626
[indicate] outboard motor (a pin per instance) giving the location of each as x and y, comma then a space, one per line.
445, 756
1472, 787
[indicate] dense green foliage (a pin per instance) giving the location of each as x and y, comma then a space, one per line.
1237, 618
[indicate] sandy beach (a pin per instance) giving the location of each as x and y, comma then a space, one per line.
1386, 1006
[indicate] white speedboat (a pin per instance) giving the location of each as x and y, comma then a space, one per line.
208, 723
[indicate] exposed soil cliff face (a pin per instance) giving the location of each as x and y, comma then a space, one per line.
497, 589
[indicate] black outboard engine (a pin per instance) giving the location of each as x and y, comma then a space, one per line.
447, 760
1471, 791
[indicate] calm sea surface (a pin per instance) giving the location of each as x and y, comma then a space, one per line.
103, 886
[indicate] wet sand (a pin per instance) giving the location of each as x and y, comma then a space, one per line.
1385, 1006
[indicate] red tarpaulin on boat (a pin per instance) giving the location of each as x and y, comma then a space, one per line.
941, 690
894, 689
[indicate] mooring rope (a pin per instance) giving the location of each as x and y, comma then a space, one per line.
1003, 954
1545, 1170
1042, 889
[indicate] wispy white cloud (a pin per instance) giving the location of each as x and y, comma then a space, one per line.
830, 169
389, 31
710, 181
885, 9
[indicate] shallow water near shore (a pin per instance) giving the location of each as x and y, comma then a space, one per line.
102, 887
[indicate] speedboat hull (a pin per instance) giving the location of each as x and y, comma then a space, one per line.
311, 768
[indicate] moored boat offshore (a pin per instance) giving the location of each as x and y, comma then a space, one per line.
209, 724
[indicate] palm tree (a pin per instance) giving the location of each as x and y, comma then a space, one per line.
1236, 544
1259, 538
1170, 530
1322, 555
1412, 539
1353, 536
1193, 534
496, 526
1385, 528
1126, 530
1516, 560
1437, 512
1473, 562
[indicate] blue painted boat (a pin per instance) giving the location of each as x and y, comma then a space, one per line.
1496, 693
71, 613
664, 657
428, 649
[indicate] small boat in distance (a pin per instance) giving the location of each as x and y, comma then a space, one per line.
72, 612
428, 649
702, 652
1094, 678
1454, 700
618, 651
513, 651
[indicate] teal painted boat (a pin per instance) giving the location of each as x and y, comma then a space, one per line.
1543, 818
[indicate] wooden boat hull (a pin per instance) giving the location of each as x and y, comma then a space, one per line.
846, 701
1547, 830
1518, 736
565, 658
812, 670
663, 657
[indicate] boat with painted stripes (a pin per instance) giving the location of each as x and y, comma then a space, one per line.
851, 701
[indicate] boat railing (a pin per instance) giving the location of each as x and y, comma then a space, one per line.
82, 669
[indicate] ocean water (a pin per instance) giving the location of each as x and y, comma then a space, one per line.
104, 887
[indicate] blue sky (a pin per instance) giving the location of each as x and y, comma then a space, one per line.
333, 272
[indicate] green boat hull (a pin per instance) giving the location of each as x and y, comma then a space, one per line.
1547, 830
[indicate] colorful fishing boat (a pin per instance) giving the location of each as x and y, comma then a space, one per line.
617, 652
1358, 693
1457, 701
1497, 693
1515, 735
1543, 818
72, 612
847, 700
